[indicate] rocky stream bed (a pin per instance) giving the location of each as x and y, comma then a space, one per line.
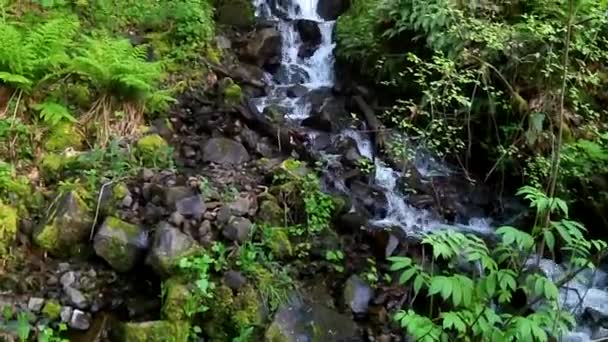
227, 149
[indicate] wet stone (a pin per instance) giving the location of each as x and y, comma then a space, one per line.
192, 206
66, 313
237, 229
80, 320
68, 279
76, 298
357, 295
35, 304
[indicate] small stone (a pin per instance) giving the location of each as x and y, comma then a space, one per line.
127, 202
147, 174
68, 279
192, 206
35, 304
63, 267
357, 295
76, 298
80, 320
66, 314
177, 219
223, 215
52, 280
240, 207
234, 280
237, 229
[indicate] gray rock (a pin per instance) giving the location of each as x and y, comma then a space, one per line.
35, 304
264, 49
225, 152
596, 305
243, 205
576, 337
76, 298
599, 333
357, 295
66, 227
168, 247
80, 320
66, 313
265, 147
68, 279
127, 201
147, 174
301, 321
177, 219
174, 194
63, 267
370, 197
120, 244
191, 207
234, 279
237, 229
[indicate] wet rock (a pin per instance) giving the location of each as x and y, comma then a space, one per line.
265, 147
328, 116
147, 174
309, 31
291, 74
120, 244
177, 219
76, 298
595, 305
237, 229
270, 212
297, 90
576, 337
168, 247
155, 331
225, 152
352, 222
234, 279
191, 207
35, 304
370, 197
238, 13
302, 321
80, 320
264, 48
177, 295
249, 138
332, 9
357, 294
66, 227
174, 194
66, 313
68, 279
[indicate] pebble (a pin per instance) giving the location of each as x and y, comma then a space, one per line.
66, 313
68, 279
35, 304
127, 201
76, 298
80, 320
52, 280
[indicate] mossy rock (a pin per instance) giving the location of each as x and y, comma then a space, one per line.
120, 243
52, 310
112, 197
152, 149
277, 240
270, 212
62, 136
66, 227
154, 331
233, 94
53, 164
177, 294
8, 227
238, 13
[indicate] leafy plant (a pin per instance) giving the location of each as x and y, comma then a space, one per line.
336, 258
198, 268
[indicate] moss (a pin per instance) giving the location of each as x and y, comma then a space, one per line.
278, 242
177, 294
119, 191
48, 238
130, 230
8, 227
62, 136
156, 331
217, 324
270, 212
214, 55
152, 149
239, 13
249, 309
52, 310
233, 94
52, 165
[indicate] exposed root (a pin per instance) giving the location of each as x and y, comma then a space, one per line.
107, 119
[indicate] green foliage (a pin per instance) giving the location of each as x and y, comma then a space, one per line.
48, 334
336, 258
198, 269
54, 113
472, 302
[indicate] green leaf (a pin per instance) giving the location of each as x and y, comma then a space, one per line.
418, 283
407, 275
549, 239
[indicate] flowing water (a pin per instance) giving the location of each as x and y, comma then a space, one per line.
317, 72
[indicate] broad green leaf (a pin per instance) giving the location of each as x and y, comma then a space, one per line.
407, 275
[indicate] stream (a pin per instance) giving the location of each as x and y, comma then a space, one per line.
585, 296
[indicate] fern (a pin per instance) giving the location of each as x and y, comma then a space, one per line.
54, 113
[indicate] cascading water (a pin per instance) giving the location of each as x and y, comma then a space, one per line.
316, 72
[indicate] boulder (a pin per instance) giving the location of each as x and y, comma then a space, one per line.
238, 13
595, 304
172, 195
264, 48
291, 74
280, 8
67, 225
154, 331
332, 9
80, 320
357, 295
370, 197
297, 90
302, 321
168, 247
243, 205
225, 152
237, 229
120, 244
309, 31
